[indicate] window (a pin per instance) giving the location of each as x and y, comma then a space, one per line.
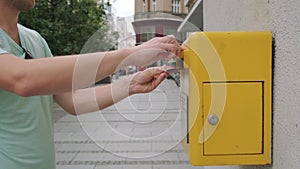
147, 33
176, 6
154, 5
147, 36
144, 6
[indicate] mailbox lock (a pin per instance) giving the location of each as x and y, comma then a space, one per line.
213, 120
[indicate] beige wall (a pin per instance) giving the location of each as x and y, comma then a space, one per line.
165, 5
283, 19
139, 5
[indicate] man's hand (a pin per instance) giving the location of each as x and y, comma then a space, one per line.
147, 80
167, 43
159, 48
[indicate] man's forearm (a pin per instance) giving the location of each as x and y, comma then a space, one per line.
58, 74
93, 99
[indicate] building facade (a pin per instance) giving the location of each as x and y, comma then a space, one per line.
157, 18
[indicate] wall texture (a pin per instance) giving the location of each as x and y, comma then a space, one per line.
283, 19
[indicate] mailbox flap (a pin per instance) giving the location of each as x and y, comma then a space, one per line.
240, 127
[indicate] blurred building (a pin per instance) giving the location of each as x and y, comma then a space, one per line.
157, 18
126, 34
126, 39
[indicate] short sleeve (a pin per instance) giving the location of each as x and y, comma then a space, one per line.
2, 51
47, 50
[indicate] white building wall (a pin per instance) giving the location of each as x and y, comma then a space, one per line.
282, 17
125, 32
231, 15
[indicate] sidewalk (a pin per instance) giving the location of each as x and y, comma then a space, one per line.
141, 132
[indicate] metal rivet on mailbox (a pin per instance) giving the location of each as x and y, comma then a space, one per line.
213, 120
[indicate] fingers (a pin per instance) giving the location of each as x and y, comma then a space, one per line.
172, 45
161, 77
168, 43
154, 71
157, 75
147, 80
170, 38
172, 50
156, 49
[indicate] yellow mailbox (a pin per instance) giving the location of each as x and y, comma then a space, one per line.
226, 98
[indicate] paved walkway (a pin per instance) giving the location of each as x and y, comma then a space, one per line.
141, 132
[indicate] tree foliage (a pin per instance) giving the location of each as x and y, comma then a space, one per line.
68, 24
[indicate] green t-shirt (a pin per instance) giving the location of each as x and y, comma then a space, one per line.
26, 127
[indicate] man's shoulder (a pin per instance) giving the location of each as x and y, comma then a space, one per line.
26, 30
32, 38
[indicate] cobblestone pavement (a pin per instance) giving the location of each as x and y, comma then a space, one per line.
140, 132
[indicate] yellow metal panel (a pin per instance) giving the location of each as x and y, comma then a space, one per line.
240, 130
242, 61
